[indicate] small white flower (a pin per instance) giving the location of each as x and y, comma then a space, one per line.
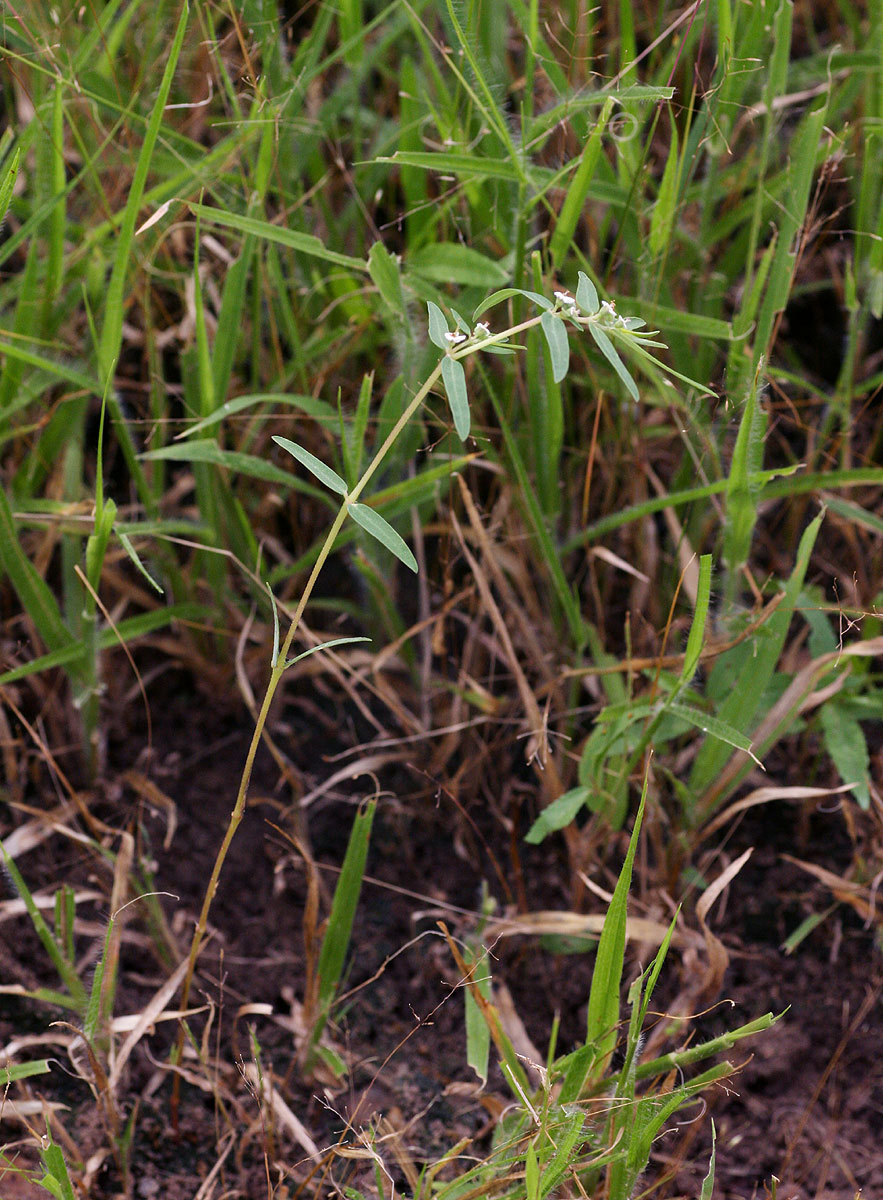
565, 298
455, 338
482, 330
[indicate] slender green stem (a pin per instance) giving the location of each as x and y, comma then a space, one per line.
278, 668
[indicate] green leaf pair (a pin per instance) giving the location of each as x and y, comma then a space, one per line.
369, 519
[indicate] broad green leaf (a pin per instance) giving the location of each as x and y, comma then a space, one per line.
558, 814
759, 657
372, 522
34, 594
323, 473
57, 1181
587, 295
674, 320
578, 188
438, 326
845, 742
386, 276
559, 346
455, 387
609, 351
451, 262
742, 492
204, 450
478, 1034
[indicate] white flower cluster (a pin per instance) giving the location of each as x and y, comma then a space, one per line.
568, 303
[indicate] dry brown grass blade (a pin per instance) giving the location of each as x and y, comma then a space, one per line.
16, 907
262, 1082
538, 746
798, 698
764, 795
718, 958
856, 895
571, 924
157, 799
95, 827
676, 661
363, 766
152, 1012
515, 1030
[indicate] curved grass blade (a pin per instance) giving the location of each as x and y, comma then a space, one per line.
304, 243
317, 409
344, 641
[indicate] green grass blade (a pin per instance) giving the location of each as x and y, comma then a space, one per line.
754, 662
34, 594
66, 970
343, 910
112, 328
696, 638
603, 1015
303, 243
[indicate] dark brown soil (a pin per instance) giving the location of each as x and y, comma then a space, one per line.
807, 1106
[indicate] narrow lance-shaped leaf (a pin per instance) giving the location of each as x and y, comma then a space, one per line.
559, 346
455, 386
323, 473
609, 351
372, 522
504, 294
